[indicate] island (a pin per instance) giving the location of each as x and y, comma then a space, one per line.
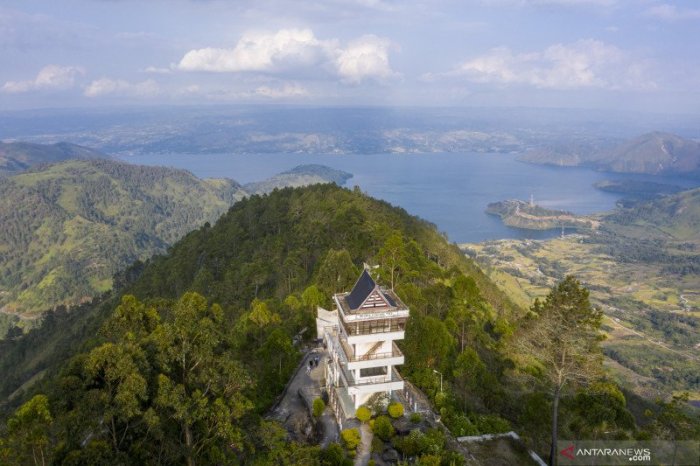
529, 216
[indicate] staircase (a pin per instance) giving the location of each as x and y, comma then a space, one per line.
372, 350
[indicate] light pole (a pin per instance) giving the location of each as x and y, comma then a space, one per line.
438, 372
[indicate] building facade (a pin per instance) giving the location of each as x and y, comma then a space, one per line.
362, 345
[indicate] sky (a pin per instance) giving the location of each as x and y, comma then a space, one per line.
634, 55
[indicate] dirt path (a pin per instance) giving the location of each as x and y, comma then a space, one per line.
617, 324
364, 450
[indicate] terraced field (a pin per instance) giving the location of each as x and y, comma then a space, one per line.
652, 317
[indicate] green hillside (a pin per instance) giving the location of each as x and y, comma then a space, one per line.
180, 364
67, 228
18, 156
674, 217
267, 263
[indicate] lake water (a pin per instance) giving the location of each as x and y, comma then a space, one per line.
451, 190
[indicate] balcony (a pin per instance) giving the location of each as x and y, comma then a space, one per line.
390, 358
390, 380
394, 353
388, 328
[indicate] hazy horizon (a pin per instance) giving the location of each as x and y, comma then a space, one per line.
590, 54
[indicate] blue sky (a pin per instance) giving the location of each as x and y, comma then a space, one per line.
639, 55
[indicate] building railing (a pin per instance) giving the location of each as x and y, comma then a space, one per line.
393, 376
372, 327
394, 353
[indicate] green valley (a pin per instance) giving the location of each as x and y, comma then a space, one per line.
642, 267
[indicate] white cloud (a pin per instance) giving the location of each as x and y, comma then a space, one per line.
669, 12
294, 50
572, 2
366, 57
119, 87
553, 3
283, 92
583, 64
285, 49
50, 77
157, 70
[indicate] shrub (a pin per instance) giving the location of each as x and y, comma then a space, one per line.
363, 414
378, 403
396, 410
492, 424
377, 445
382, 428
333, 455
351, 438
318, 407
415, 418
412, 444
460, 425
429, 460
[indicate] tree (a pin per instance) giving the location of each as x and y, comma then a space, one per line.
318, 407
337, 272
201, 386
256, 323
382, 428
395, 410
28, 433
313, 297
363, 414
120, 388
392, 257
602, 409
561, 336
351, 438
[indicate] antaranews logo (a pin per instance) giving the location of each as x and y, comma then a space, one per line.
568, 452
596, 452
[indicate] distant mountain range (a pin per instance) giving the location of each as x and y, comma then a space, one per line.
18, 156
68, 227
654, 153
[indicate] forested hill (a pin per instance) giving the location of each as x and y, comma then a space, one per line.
18, 156
653, 153
67, 228
266, 264
70, 226
674, 217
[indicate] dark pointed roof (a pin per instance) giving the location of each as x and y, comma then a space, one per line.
362, 289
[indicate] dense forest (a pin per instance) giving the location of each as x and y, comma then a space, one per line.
180, 364
68, 228
16, 157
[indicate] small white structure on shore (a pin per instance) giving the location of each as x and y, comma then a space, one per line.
361, 344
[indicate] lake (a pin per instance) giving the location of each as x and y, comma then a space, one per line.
450, 190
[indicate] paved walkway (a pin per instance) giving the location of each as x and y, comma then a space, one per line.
364, 450
306, 383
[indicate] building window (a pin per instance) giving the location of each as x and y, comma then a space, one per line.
373, 371
374, 326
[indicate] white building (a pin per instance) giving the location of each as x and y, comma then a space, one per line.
361, 345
